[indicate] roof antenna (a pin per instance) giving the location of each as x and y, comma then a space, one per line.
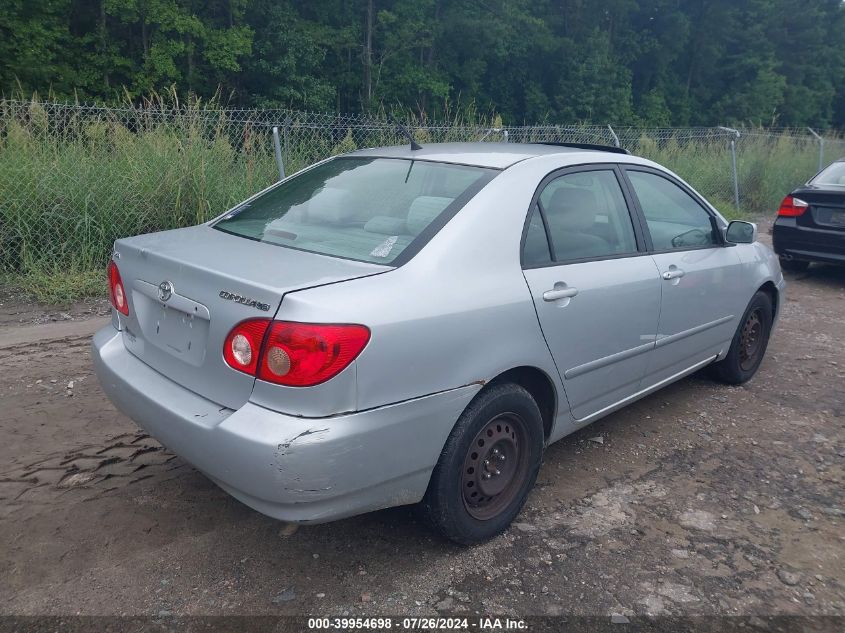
414, 145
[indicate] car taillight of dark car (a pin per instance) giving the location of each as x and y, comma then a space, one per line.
792, 207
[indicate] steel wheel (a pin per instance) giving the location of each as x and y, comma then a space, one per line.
487, 466
750, 340
748, 344
495, 466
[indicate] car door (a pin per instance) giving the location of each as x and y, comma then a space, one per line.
701, 291
595, 289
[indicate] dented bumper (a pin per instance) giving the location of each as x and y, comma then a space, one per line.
305, 470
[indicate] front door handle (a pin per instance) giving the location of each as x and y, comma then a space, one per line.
559, 293
673, 273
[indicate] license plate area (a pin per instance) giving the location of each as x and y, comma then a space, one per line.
829, 216
180, 333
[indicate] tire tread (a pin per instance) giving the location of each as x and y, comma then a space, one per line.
436, 507
728, 370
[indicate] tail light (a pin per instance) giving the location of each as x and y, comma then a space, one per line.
243, 345
294, 354
117, 294
792, 207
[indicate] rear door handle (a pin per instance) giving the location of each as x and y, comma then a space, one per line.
559, 293
674, 273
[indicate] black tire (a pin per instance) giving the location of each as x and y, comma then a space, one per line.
461, 502
794, 265
749, 343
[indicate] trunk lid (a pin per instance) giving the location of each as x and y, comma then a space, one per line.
215, 281
827, 208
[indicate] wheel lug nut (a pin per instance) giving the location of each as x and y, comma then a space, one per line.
497, 472
487, 475
486, 462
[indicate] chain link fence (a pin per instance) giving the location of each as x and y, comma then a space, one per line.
73, 178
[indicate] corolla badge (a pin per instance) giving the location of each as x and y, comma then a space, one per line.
246, 301
165, 290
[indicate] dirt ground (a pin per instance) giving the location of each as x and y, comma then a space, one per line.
699, 500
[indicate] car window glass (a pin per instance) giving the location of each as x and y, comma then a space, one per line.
369, 209
675, 220
587, 216
536, 249
832, 175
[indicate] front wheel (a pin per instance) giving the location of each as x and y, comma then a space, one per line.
749, 343
487, 467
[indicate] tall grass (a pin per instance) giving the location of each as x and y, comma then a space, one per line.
769, 166
68, 191
72, 182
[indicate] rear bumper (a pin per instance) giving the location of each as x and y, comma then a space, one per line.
306, 470
808, 243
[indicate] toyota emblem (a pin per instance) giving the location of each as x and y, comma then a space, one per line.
165, 290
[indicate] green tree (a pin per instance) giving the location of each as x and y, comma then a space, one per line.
286, 68
651, 62
36, 47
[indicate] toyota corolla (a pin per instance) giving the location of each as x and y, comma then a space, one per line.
414, 325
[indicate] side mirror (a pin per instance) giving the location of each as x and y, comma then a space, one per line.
739, 232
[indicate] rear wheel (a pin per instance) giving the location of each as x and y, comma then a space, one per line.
794, 265
487, 467
749, 343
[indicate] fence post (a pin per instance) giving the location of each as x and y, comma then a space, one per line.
820, 139
734, 136
285, 129
277, 146
495, 129
613, 134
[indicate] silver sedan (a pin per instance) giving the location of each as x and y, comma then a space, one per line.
414, 325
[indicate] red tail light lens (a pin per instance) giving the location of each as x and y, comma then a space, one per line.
307, 354
243, 345
792, 207
293, 354
117, 294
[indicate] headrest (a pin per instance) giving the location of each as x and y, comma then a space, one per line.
385, 225
332, 206
572, 209
423, 211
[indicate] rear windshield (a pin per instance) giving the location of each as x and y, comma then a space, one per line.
833, 175
367, 209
